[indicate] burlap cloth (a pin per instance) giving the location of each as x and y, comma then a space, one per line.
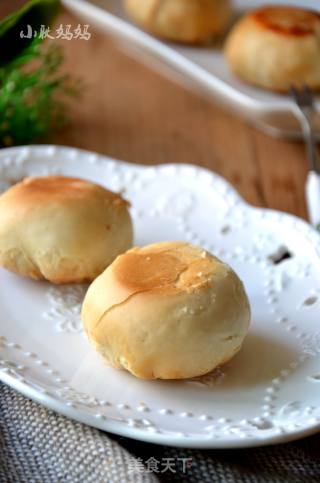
37, 445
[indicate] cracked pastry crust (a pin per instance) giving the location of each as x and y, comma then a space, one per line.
275, 47
189, 21
169, 310
61, 229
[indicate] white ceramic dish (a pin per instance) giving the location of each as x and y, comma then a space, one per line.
269, 393
202, 67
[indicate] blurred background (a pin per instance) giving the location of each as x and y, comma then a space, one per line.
125, 110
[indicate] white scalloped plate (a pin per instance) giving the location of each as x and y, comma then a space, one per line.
270, 391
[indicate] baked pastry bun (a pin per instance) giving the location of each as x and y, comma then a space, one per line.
62, 229
275, 47
169, 311
190, 21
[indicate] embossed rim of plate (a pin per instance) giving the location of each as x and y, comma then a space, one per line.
133, 433
136, 433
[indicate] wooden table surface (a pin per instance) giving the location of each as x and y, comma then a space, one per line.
132, 113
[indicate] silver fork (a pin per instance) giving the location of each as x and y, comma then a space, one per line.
305, 109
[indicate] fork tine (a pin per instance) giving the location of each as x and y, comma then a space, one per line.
296, 95
308, 96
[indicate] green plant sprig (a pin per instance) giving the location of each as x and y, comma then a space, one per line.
33, 95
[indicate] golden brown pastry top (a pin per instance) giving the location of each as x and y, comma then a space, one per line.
170, 310
168, 267
34, 190
286, 20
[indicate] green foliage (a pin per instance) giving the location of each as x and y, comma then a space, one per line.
32, 95
32, 89
34, 13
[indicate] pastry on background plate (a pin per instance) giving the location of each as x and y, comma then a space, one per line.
169, 310
60, 229
189, 21
275, 47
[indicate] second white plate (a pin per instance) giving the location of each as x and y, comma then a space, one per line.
202, 67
